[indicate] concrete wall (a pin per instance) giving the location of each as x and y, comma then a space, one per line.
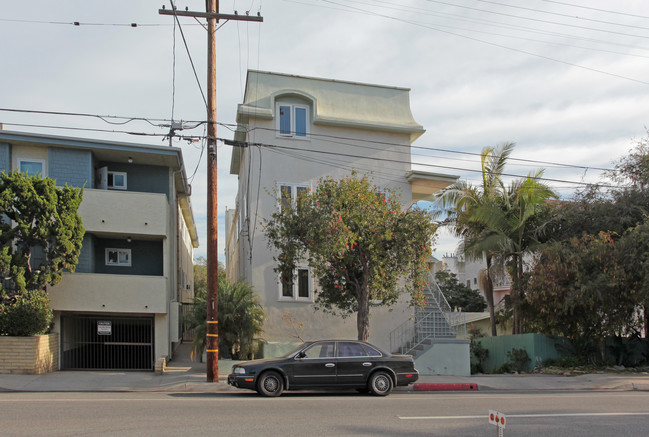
446, 357
29, 355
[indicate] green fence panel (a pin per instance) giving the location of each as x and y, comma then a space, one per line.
538, 347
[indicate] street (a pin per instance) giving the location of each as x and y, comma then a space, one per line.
588, 413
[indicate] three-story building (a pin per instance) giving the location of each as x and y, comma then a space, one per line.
120, 309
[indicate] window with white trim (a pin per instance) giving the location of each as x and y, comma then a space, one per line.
292, 120
118, 257
298, 288
289, 193
33, 167
117, 180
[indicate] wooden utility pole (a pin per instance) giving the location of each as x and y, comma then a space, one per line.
212, 340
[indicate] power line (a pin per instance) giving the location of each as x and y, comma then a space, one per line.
562, 15
79, 23
105, 118
437, 149
349, 155
232, 127
534, 19
414, 23
191, 61
596, 9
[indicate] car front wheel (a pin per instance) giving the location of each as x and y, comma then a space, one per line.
380, 384
270, 384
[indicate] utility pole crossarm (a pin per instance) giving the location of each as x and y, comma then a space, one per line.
235, 17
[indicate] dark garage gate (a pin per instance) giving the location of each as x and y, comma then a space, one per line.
106, 343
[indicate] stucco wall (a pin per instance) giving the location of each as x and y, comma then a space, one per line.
291, 168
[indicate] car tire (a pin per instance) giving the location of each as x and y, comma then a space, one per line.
270, 384
380, 384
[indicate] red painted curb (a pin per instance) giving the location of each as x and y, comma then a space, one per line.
423, 386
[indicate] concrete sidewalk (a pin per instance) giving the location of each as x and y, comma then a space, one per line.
184, 375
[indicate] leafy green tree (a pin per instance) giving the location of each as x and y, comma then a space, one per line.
580, 289
359, 242
459, 295
240, 315
36, 216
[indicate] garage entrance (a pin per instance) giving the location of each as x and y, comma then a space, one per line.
106, 343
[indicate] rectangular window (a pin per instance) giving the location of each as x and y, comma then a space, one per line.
297, 288
303, 288
33, 167
293, 120
284, 120
289, 194
118, 257
117, 180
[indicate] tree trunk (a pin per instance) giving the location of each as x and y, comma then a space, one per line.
363, 315
488, 288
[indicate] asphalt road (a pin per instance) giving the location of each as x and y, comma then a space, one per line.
588, 413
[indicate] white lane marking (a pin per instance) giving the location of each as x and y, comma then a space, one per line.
510, 416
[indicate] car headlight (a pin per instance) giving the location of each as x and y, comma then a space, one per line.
239, 371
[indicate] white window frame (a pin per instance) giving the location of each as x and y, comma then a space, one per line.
293, 133
111, 175
118, 264
294, 188
295, 297
43, 173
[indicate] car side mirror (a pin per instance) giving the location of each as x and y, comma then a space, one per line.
300, 355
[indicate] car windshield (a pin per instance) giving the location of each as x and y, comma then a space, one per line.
297, 349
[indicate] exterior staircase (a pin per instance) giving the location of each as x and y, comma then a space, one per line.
433, 322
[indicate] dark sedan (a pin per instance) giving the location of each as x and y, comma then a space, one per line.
327, 364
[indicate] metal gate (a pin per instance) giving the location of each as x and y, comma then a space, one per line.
188, 333
107, 343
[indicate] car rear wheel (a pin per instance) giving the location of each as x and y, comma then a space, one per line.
380, 384
270, 384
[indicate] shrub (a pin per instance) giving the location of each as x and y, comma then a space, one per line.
26, 315
518, 359
478, 352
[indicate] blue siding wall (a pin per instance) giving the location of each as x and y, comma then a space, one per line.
69, 166
146, 257
5, 157
143, 178
87, 256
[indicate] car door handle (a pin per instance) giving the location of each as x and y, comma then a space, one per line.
330, 365
366, 364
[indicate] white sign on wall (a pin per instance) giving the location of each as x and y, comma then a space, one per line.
104, 327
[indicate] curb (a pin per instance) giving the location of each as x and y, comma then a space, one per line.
465, 386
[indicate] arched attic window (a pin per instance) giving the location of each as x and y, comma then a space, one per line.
293, 114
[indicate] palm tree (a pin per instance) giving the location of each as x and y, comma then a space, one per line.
240, 316
461, 200
514, 228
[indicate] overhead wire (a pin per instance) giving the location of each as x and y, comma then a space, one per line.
494, 44
596, 9
349, 155
188, 52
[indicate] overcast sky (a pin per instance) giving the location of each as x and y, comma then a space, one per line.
567, 81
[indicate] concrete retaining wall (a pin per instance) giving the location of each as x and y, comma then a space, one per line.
446, 357
29, 355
